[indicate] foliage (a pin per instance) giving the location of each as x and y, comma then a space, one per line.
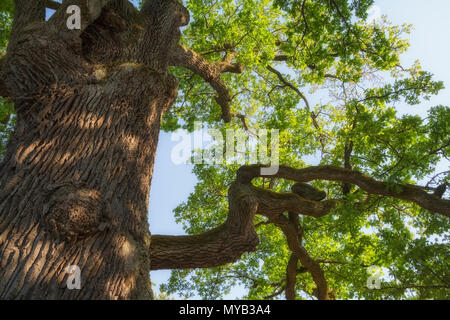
327, 49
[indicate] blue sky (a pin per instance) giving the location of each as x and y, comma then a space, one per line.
429, 43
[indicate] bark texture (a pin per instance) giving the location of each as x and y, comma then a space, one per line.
75, 181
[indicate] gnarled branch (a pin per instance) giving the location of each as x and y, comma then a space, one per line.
301, 95
216, 247
313, 267
291, 277
26, 13
406, 192
274, 203
237, 235
210, 72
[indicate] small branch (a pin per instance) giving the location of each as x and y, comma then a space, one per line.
299, 93
281, 58
226, 243
275, 293
273, 203
300, 252
426, 287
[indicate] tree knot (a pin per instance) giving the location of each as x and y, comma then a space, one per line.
74, 211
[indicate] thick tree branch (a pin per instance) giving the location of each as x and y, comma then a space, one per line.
313, 267
400, 191
210, 72
291, 277
216, 247
26, 12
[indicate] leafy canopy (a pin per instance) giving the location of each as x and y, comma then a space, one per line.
336, 82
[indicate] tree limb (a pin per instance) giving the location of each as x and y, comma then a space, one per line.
290, 85
216, 247
292, 236
237, 235
210, 72
419, 287
406, 192
302, 96
275, 293
274, 203
291, 277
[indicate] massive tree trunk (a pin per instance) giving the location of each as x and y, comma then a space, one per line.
75, 182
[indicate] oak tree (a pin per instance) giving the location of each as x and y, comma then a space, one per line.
88, 104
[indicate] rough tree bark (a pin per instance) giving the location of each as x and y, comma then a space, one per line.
75, 181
